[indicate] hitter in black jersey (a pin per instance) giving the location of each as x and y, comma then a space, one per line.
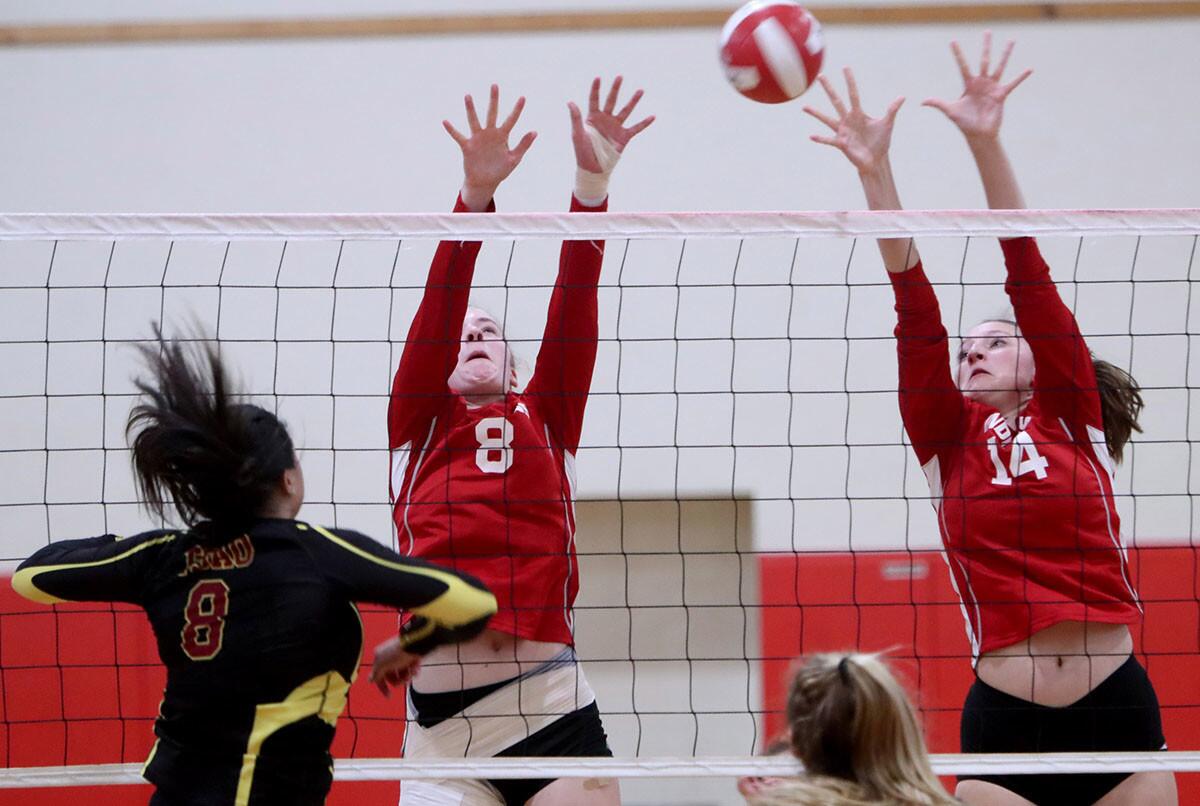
252, 610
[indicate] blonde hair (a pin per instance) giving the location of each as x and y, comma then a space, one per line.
852, 726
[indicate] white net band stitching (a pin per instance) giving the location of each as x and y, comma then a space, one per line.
482, 226
714, 767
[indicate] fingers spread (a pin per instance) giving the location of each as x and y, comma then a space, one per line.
838, 106
1016, 82
511, 120
472, 118
524, 145
852, 89
639, 126
962, 62
454, 133
821, 116
628, 107
610, 103
1008, 49
493, 106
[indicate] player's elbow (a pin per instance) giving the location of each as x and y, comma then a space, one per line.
465, 602
459, 614
23, 583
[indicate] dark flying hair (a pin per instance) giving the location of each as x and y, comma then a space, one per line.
1120, 405
197, 446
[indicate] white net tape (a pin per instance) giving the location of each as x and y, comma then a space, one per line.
484, 226
701, 767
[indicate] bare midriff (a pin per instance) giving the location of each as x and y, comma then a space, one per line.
1058, 665
490, 657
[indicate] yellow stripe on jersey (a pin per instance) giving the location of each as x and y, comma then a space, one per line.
460, 604
24, 583
362, 634
150, 758
324, 697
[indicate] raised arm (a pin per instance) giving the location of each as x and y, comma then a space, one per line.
931, 405
94, 569
866, 142
1064, 379
567, 357
431, 350
978, 113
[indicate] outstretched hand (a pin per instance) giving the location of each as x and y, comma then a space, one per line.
980, 109
487, 159
606, 120
863, 139
393, 666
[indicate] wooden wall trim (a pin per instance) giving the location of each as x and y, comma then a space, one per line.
433, 25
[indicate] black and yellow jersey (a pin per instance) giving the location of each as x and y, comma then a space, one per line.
261, 640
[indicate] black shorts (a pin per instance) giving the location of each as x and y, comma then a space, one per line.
1119, 715
579, 733
185, 776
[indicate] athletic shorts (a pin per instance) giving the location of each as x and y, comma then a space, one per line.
549, 712
192, 778
1119, 715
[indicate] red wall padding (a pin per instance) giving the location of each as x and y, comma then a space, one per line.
80, 684
902, 603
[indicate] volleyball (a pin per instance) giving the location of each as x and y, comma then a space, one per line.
772, 50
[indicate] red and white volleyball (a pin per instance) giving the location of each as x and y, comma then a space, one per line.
772, 50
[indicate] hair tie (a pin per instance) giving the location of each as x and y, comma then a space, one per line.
844, 669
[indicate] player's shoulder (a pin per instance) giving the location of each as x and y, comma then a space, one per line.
151, 538
149, 549
336, 535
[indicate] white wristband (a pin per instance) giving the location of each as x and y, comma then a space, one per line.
592, 188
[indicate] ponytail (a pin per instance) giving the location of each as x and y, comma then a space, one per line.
821, 712
852, 726
1120, 405
215, 459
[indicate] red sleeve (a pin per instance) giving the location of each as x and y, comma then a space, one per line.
431, 351
931, 405
563, 373
1064, 380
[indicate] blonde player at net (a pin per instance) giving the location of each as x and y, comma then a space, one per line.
483, 478
851, 725
1019, 439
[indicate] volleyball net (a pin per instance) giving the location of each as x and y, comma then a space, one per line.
746, 493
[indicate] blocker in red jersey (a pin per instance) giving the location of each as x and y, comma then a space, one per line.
772, 50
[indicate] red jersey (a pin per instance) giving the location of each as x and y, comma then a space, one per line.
1027, 515
490, 489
